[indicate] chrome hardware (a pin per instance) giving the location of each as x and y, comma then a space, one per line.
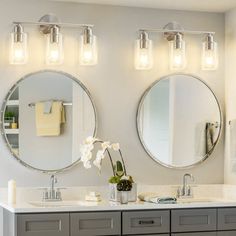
186, 189
52, 193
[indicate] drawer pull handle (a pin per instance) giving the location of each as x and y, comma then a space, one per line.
146, 222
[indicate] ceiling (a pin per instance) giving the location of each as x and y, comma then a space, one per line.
188, 5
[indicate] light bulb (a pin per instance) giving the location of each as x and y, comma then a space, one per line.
88, 48
18, 46
54, 51
177, 53
209, 53
143, 58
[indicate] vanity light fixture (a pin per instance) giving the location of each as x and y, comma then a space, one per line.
143, 52
174, 34
88, 48
18, 46
54, 48
177, 52
51, 26
209, 53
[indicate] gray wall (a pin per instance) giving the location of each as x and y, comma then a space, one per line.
113, 83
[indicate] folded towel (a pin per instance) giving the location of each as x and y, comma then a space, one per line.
49, 124
155, 198
210, 132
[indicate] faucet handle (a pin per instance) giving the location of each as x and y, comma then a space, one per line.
192, 177
189, 191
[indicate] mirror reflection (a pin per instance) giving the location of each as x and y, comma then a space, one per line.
46, 116
179, 121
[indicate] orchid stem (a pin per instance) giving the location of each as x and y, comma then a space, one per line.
112, 164
123, 162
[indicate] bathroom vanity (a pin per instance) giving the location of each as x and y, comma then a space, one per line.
161, 135
106, 218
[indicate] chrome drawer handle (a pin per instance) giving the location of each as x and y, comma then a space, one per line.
146, 222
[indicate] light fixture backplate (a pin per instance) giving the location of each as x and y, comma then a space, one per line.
172, 26
50, 18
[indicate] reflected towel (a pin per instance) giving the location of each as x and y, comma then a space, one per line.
49, 124
48, 107
233, 143
210, 137
155, 198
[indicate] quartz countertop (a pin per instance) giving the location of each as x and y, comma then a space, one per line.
26, 207
215, 196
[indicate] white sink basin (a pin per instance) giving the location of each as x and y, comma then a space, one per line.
62, 203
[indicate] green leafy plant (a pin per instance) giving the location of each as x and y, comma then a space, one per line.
9, 114
118, 173
124, 185
114, 179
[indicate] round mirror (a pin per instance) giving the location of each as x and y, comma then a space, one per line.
179, 121
44, 119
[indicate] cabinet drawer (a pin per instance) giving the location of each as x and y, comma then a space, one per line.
196, 234
226, 233
43, 225
191, 220
226, 218
146, 222
99, 223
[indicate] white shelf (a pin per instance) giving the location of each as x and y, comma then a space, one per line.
12, 131
13, 103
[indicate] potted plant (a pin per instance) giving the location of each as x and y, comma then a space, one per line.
9, 117
124, 186
119, 174
118, 169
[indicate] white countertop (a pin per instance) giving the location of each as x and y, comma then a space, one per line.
26, 207
215, 195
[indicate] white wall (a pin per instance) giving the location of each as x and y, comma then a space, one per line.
230, 92
114, 84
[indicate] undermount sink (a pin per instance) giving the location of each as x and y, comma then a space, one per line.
62, 203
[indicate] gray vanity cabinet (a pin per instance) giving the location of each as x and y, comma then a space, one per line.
193, 220
146, 222
55, 224
99, 223
170, 222
197, 234
227, 219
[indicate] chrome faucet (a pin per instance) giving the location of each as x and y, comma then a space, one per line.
52, 193
186, 189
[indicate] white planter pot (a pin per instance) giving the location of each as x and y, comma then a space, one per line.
115, 195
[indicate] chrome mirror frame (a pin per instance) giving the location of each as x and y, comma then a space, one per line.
3, 108
138, 114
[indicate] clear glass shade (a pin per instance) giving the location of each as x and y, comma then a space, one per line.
177, 56
143, 56
209, 57
18, 50
54, 51
88, 52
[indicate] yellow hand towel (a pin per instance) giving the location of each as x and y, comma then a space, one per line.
49, 124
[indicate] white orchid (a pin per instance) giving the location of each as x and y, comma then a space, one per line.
86, 154
87, 165
116, 146
106, 145
87, 148
98, 163
90, 140
100, 154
